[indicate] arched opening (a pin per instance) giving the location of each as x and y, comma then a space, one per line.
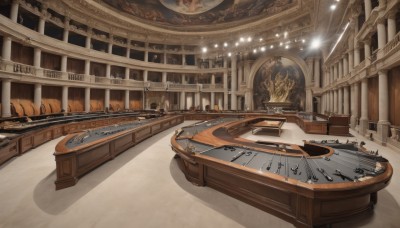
279, 83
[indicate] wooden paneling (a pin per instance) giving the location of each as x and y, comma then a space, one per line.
76, 66
117, 98
51, 99
22, 99
51, 61
76, 100
97, 99
21, 54
135, 100
98, 69
394, 94
373, 102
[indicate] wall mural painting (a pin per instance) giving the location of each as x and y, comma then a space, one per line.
279, 83
199, 12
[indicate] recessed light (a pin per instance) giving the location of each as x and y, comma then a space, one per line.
225, 44
287, 47
303, 41
333, 7
316, 43
241, 39
255, 50
229, 54
277, 35
272, 46
262, 48
215, 45
236, 44
280, 44
204, 49
249, 39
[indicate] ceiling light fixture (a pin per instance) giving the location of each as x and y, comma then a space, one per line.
277, 35
215, 45
241, 39
316, 43
255, 50
249, 39
225, 44
204, 49
332, 7
229, 54
262, 48
272, 46
236, 44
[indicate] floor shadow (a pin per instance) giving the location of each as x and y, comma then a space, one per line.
250, 216
55, 202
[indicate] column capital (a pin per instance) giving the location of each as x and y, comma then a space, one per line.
392, 14
381, 20
382, 72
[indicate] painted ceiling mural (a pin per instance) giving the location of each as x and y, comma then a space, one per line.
279, 83
199, 12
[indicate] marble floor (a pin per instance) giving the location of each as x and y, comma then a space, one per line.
143, 187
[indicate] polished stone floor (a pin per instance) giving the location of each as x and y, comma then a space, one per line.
143, 187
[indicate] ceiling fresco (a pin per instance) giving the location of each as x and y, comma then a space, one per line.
199, 12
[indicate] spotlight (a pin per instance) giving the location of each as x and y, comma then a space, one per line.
204, 49
254, 51
272, 46
216, 45
316, 43
263, 49
261, 39
225, 44
241, 39
277, 35
332, 7
236, 44
229, 54
249, 39
287, 47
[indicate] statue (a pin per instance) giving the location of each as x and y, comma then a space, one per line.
280, 88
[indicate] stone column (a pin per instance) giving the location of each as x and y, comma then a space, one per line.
88, 38
351, 61
309, 100
197, 100
367, 7
234, 82
110, 44
107, 99
354, 105
340, 69
335, 72
64, 59
146, 52
391, 26
108, 71
381, 33
128, 49
335, 101
212, 100
182, 101
213, 79
364, 107
345, 66
332, 101
6, 53
6, 98
346, 96
340, 101
127, 99
37, 98
332, 75
383, 123
356, 56
42, 23
37, 57
87, 67
14, 10
164, 77
310, 62
367, 48
87, 99
240, 73
64, 99
127, 72
226, 84
66, 30
145, 74
317, 71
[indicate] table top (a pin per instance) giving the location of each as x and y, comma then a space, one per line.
268, 123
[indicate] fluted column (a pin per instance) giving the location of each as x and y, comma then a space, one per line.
335, 101
14, 10
234, 82
37, 57
345, 66
354, 105
5, 98
64, 99
381, 33
182, 101
346, 96
87, 99
351, 60
368, 8
340, 69
391, 26
107, 99
383, 123
364, 107
127, 99
317, 71
6, 53
340, 101
37, 98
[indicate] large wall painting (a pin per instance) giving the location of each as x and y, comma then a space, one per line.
279, 83
200, 12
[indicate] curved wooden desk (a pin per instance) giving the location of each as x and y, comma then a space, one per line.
314, 184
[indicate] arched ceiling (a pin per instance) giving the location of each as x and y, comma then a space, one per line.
200, 13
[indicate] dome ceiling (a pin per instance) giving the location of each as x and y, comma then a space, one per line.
200, 13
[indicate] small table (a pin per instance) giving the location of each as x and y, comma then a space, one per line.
273, 125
